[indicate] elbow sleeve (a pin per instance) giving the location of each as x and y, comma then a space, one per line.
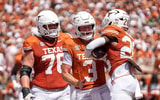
25, 70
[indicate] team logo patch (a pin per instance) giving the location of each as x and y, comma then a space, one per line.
77, 48
42, 44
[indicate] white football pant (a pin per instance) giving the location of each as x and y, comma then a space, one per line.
57, 94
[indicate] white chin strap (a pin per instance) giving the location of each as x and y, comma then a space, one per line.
88, 37
52, 33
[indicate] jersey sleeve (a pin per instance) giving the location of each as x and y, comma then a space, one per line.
28, 43
111, 31
67, 46
67, 59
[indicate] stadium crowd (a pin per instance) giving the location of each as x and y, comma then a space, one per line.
18, 22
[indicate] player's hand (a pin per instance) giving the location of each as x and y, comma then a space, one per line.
16, 85
29, 96
81, 83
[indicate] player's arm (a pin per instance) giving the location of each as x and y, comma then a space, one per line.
113, 41
26, 69
67, 75
93, 45
66, 72
98, 43
25, 72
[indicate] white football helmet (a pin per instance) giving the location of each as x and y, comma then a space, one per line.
46, 18
83, 18
116, 17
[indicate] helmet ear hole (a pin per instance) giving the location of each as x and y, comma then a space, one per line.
121, 18
45, 26
78, 28
92, 26
57, 24
110, 23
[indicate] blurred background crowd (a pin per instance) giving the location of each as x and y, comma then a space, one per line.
17, 21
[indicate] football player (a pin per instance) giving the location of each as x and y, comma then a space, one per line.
85, 74
119, 57
44, 54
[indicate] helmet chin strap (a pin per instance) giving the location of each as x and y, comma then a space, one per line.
87, 32
48, 37
86, 41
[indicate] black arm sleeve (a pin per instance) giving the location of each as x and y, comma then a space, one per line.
25, 70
